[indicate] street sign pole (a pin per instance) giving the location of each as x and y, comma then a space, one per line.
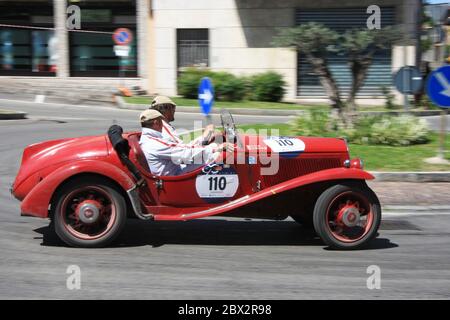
405, 79
122, 37
438, 89
121, 73
206, 99
405, 95
443, 134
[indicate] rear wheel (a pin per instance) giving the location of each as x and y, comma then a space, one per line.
347, 216
89, 213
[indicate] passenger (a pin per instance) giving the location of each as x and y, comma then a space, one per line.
166, 158
167, 108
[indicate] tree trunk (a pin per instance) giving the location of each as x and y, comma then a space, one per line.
359, 67
321, 69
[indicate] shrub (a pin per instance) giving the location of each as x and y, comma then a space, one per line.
312, 123
374, 130
227, 86
389, 98
399, 131
188, 81
267, 86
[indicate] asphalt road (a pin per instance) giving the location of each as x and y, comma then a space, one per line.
205, 259
61, 111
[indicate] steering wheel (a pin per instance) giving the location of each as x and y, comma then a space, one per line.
229, 128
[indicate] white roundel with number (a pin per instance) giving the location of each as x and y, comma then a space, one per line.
217, 185
285, 144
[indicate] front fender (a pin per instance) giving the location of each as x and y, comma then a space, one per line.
37, 201
319, 176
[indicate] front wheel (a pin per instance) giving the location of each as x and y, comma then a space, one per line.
347, 216
89, 213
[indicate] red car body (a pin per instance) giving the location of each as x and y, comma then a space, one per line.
293, 191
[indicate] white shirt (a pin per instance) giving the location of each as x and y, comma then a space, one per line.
169, 133
166, 158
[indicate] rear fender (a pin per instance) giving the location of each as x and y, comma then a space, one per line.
37, 201
320, 176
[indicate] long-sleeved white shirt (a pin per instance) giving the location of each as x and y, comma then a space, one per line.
166, 158
169, 133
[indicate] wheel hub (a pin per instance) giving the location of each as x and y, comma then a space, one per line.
88, 211
349, 216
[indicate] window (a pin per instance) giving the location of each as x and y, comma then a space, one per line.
192, 48
27, 51
92, 54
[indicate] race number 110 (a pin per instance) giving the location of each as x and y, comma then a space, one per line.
217, 183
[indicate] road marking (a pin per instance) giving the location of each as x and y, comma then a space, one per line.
39, 98
415, 213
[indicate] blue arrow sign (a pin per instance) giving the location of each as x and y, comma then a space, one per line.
206, 95
438, 87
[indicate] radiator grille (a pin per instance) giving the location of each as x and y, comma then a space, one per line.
292, 168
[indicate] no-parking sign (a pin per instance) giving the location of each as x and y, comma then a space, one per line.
122, 36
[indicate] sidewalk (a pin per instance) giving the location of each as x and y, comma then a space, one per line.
412, 194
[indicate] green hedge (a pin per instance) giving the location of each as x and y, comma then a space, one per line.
189, 80
268, 86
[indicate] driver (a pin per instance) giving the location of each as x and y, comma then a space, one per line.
167, 108
166, 158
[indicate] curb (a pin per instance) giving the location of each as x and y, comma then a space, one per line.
412, 176
13, 115
121, 104
425, 113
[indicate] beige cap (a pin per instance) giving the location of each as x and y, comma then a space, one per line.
161, 100
149, 114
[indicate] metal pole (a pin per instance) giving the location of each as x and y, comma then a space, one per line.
441, 152
405, 80
121, 73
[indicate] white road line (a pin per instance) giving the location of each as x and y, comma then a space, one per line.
415, 213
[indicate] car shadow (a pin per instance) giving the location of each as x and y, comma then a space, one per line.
213, 232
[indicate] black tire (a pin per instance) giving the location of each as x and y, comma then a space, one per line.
331, 197
67, 223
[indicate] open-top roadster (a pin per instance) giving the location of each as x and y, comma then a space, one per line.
88, 186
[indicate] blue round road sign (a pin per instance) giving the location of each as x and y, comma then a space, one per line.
206, 95
438, 87
408, 80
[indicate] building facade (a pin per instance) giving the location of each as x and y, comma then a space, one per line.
170, 35
236, 36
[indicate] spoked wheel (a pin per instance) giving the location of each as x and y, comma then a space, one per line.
89, 213
347, 216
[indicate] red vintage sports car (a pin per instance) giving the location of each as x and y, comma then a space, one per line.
88, 186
